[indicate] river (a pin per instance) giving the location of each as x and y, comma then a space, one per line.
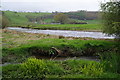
65, 33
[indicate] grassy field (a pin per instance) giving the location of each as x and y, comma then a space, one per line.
18, 44
19, 47
80, 27
25, 48
76, 27
19, 18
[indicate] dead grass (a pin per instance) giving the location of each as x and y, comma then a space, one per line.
12, 38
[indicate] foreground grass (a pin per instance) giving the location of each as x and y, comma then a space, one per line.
34, 68
16, 51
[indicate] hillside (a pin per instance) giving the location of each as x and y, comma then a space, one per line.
36, 18
22, 17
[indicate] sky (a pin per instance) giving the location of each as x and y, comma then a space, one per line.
51, 5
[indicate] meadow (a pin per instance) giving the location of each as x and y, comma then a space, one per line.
20, 19
22, 50
75, 27
19, 47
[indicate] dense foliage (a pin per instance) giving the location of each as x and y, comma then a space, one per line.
37, 18
83, 15
111, 20
34, 69
61, 18
4, 21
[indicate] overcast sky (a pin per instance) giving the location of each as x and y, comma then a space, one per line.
51, 5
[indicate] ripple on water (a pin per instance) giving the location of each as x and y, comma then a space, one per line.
65, 33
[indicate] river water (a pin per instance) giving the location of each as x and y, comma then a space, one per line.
65, 33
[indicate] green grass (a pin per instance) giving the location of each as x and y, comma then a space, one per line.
14, 38
0, 72
34, 68
43, 47
20, 18
17, 46
93, 21
78, 27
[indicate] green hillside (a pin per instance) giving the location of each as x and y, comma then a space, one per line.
34, 19
20, 17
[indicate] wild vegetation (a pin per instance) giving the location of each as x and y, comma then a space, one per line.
111, 22
25, 49
4, 22
31, 18
34, 69
61, 18
15, 51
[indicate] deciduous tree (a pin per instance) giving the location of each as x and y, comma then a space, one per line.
61, 18
111, 17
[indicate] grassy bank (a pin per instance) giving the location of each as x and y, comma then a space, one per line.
81, 27
76, 27
18, 45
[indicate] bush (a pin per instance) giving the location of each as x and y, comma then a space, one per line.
34, 68
61, 18
5, 21
93, 69
111, 61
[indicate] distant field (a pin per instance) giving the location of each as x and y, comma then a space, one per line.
79, 27
20, 17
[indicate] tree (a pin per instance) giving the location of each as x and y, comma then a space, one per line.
3, 21
61, 18
111, 17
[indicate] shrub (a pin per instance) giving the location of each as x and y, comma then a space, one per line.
5, 21
111, 61
34, 68
93, 69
